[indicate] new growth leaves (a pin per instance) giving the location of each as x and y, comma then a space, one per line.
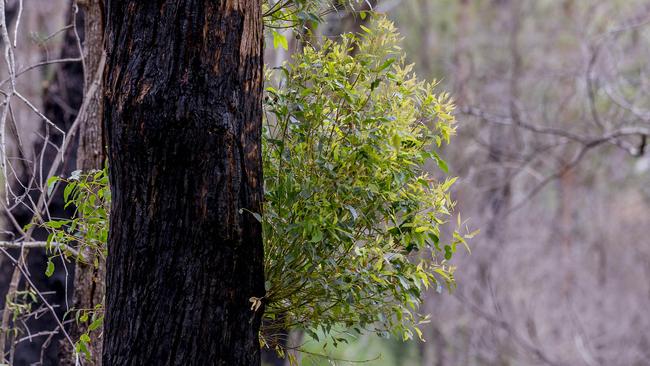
352, 219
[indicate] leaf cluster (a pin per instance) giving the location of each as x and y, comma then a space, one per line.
87, 229
352, 219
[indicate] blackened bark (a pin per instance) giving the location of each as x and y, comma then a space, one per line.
182, 114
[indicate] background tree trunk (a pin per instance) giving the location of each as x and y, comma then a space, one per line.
183, 115
89, 284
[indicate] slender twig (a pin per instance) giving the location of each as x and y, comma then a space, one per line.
499, 322
37, 244
39, 293
9, 59
17, 25
44, 202
39, 64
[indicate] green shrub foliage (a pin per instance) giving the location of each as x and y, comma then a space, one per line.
352, 219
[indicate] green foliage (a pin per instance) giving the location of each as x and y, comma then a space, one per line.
21, 304
292, 13
87, 230
95, 319
303, 14
279, 40
352, 221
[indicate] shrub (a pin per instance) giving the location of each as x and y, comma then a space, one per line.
352, 220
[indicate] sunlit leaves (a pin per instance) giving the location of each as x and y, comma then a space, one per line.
352, 220
279, 40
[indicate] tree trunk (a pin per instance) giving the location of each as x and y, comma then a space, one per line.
89, 286
183, 118
91, 154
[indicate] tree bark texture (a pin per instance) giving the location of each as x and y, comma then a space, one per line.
91, 153
183, 117
89, 284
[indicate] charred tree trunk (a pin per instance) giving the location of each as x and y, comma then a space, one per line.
89, 286
183, 117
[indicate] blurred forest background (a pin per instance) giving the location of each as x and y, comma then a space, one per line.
553, 103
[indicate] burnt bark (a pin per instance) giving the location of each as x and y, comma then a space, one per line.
183, 116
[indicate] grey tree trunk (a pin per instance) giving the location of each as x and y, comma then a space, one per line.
89, 283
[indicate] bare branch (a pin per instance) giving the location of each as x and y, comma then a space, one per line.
37, 244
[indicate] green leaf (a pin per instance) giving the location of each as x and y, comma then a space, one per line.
312, 334
82, 347
49, 271
441, 163
316, 236
67, 190
96, 324
472, 234
365, 29
279, 40
56, 224
51, 182
448, 252
375, 83
386, 64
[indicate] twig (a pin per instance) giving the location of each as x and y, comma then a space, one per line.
40, 295
43, 202
9, 59
33, 108
20, 14
523, 342
37, 244
41, 63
